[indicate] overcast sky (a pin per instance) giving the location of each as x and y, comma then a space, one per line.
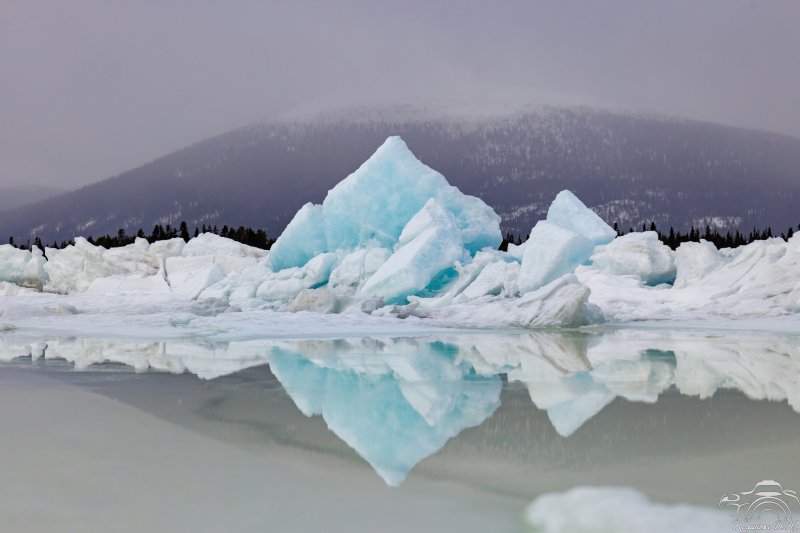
90, 89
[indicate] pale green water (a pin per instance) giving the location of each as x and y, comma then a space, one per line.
83, 450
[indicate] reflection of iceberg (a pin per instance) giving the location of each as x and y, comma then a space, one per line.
398, 400
639, 365
394, 415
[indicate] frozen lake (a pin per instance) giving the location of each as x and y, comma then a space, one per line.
433, 433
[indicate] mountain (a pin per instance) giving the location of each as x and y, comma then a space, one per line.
631, 168
19, 195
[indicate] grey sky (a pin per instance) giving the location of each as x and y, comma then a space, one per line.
93, 88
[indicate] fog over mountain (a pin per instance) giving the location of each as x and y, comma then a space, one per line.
631, 168
18, 195
93, 88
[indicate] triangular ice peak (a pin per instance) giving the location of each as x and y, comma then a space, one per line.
371, 206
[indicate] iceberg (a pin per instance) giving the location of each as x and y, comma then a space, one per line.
695, 261
550, 252
22, 267
286, 284
206, 245
372, 206
498, 278
171, 265
466, 275
358, 266
74, 268
429, 245
394, 239
637, 254
204, 261
568, 212
561, 303
303, 239
561, 242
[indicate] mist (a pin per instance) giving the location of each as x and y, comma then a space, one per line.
93, 88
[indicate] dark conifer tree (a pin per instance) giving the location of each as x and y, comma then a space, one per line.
184, 231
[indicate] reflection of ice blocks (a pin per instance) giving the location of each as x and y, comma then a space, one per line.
570, 398
435, 386
390, 421
567, 417
373, 205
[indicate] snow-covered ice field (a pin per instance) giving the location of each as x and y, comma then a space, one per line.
394, 241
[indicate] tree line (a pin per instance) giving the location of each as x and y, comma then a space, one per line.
258, 237
673, 238
246, 235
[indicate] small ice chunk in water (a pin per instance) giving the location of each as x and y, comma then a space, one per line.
618, 510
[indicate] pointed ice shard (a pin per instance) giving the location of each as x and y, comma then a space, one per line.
570, 213
429, 245
372, 206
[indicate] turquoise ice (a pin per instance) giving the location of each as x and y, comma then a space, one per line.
372, 205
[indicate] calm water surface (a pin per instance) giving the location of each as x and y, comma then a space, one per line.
434, 433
